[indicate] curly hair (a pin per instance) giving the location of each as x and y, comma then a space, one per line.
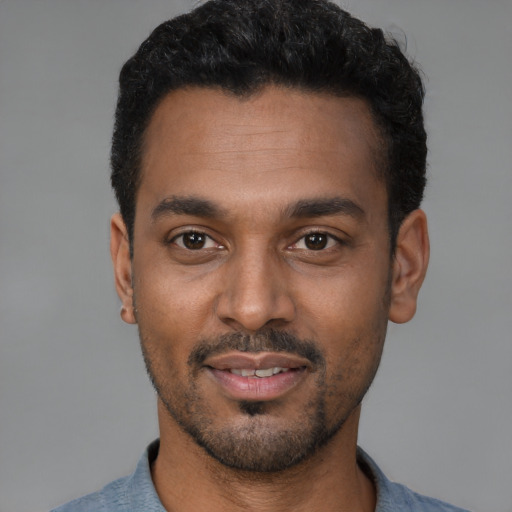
243, 45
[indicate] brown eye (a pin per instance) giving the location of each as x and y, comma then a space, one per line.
194, 241
316, 241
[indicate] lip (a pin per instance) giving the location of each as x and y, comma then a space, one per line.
257, 388
255, 361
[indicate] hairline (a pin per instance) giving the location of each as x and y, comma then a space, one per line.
379, 147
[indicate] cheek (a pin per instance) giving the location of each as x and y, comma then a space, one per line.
349, 318
353, 342
346, 303
170, 310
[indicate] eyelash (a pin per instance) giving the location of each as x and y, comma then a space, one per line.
331, 240
207, 237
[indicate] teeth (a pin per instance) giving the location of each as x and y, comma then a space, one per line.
265, 373
262, 372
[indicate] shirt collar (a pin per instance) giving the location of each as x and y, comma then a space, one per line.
141, 493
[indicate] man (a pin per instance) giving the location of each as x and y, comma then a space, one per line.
269, 162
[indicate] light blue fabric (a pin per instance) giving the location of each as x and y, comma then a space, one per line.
136, 493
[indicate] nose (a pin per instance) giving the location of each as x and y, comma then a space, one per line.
255, 292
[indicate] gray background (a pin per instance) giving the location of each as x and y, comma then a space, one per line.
76, 407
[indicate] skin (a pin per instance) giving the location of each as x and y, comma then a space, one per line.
254, 160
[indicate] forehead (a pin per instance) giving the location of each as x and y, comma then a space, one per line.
274, 144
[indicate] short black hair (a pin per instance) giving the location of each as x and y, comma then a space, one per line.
241, 46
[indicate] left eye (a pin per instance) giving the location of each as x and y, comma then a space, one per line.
315, 242
194, 240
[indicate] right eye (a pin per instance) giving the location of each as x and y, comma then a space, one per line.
195, 241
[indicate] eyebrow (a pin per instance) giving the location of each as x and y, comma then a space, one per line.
320, 207
193, 206
304, 208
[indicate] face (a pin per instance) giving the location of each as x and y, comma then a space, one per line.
261, 274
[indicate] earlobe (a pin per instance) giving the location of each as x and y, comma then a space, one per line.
121, 261
409, 266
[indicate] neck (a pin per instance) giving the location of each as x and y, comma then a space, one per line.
187, 478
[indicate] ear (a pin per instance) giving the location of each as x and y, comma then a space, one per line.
409, 266
120, 254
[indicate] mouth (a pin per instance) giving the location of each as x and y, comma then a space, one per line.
257, 377
260, 372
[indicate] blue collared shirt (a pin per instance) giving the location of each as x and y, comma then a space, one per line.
136, 493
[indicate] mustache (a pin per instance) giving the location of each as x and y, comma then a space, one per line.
270, 340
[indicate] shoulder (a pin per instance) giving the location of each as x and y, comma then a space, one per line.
394, 497
112, 498
131, 493
411, 500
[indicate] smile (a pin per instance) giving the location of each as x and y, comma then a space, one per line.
257, 377
260, 373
